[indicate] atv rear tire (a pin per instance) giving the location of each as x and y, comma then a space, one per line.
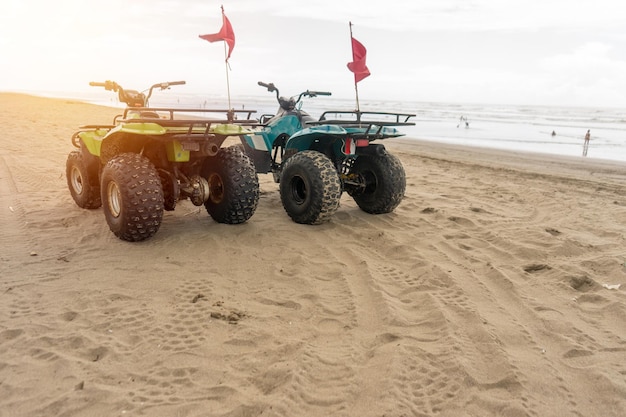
82, 180
384, 180
132, 197
233, 186
310, 188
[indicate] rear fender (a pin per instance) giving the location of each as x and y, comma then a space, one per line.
119, 141
92, 140
134, 137
325, 138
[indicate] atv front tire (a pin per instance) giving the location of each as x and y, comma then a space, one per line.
82, 180
132, 197
233, 186
310, 189
383, 180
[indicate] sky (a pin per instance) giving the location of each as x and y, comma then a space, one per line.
525, 52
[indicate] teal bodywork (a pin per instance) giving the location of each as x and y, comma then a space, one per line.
303, 139
339, 135
263, 138
295, 131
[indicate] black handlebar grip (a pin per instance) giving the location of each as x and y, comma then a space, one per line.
321, 93
270, 87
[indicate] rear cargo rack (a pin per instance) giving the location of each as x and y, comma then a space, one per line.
194, 122
355, 118
166, 116
366, 124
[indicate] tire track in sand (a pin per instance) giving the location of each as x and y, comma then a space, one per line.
326, 376
448, 355
11, 216
373, 338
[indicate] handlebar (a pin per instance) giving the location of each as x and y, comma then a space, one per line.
317, 93
132, 97
290, 103
270, 87
167, 84
108, 85
162, 86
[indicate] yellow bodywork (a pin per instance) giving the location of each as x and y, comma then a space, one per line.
93, 139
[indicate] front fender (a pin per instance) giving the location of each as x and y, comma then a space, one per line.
264, 138
259, 140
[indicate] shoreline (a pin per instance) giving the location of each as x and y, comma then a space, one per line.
444, 132
594, 169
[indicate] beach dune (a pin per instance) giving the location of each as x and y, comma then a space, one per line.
496, 288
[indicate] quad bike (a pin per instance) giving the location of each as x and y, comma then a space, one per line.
151, 158
314, 161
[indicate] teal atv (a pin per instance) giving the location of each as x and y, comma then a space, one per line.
315, 160
148, 159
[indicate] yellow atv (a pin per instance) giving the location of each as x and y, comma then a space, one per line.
148, 159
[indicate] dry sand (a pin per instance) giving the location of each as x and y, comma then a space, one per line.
481, 295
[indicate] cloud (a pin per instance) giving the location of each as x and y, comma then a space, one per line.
590, 58
516, 51
445, 15
588, 75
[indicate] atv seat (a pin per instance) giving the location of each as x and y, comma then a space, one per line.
148, 115
143, 114
307, 119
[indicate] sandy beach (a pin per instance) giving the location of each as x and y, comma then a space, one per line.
496, 288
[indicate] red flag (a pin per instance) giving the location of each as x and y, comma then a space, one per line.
357, 66
225, 34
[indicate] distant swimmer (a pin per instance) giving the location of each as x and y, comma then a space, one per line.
586, 144
553, 133
463, 120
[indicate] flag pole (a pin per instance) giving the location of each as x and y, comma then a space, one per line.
356, 88
227, 76
226, 66
226, 35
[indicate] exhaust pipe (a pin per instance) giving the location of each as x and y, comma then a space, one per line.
211, 149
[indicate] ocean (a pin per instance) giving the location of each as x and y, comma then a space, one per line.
506, 127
